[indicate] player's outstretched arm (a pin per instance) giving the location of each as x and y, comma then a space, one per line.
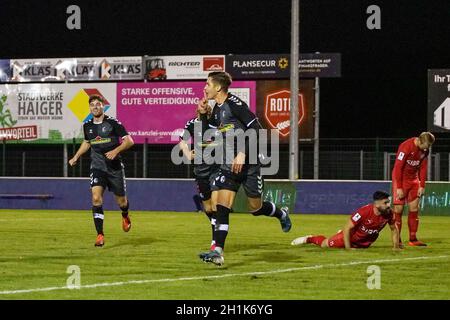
85, 146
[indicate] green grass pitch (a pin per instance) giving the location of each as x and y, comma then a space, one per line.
158, 259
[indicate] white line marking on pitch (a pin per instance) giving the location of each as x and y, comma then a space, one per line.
113, 284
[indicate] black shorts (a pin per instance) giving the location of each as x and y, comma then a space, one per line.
113, 179
204, 183
250, 178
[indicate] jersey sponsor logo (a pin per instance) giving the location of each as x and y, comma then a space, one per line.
413, 163
369, 231
225, 128
356, 217
100, 140
401, 155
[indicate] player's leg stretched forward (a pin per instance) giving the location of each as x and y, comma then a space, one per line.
336, 241
254, 186
266, 208
225, 200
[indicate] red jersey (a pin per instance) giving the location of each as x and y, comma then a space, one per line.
368, 225
410, 164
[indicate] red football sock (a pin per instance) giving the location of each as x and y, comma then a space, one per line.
413, 224
398, 222
317, 240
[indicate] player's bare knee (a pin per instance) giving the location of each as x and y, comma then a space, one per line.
97, 200
207, 206
398, 209
254, 204
324, 243
121, 201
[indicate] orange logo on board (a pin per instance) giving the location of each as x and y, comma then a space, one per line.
277, 110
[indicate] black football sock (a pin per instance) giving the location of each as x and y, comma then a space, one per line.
268, 209
125, 210
97, 212
213, 219
222, 225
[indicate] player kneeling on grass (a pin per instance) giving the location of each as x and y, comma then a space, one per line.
102, 134
362, 229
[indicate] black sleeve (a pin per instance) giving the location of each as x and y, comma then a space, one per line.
205, 123
85, 132
119, 129
242, 113
188, 131
248, 118
211, 122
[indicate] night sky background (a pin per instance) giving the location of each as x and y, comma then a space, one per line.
383, 88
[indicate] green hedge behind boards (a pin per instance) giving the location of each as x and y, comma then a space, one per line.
281, 193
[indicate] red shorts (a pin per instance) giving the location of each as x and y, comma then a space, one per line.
410, 190
337, 241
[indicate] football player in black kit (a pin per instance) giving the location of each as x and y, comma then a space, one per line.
204, 170
102, 135
233, 118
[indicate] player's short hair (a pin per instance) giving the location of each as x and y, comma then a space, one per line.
95, 97
380, 195
221, 78
426, 137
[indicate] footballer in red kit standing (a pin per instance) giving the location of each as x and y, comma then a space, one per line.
408, 181
362, 229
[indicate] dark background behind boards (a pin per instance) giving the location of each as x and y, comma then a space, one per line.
383, 89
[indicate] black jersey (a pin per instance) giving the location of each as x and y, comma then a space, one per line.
104, 137
203, 161
230, 116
